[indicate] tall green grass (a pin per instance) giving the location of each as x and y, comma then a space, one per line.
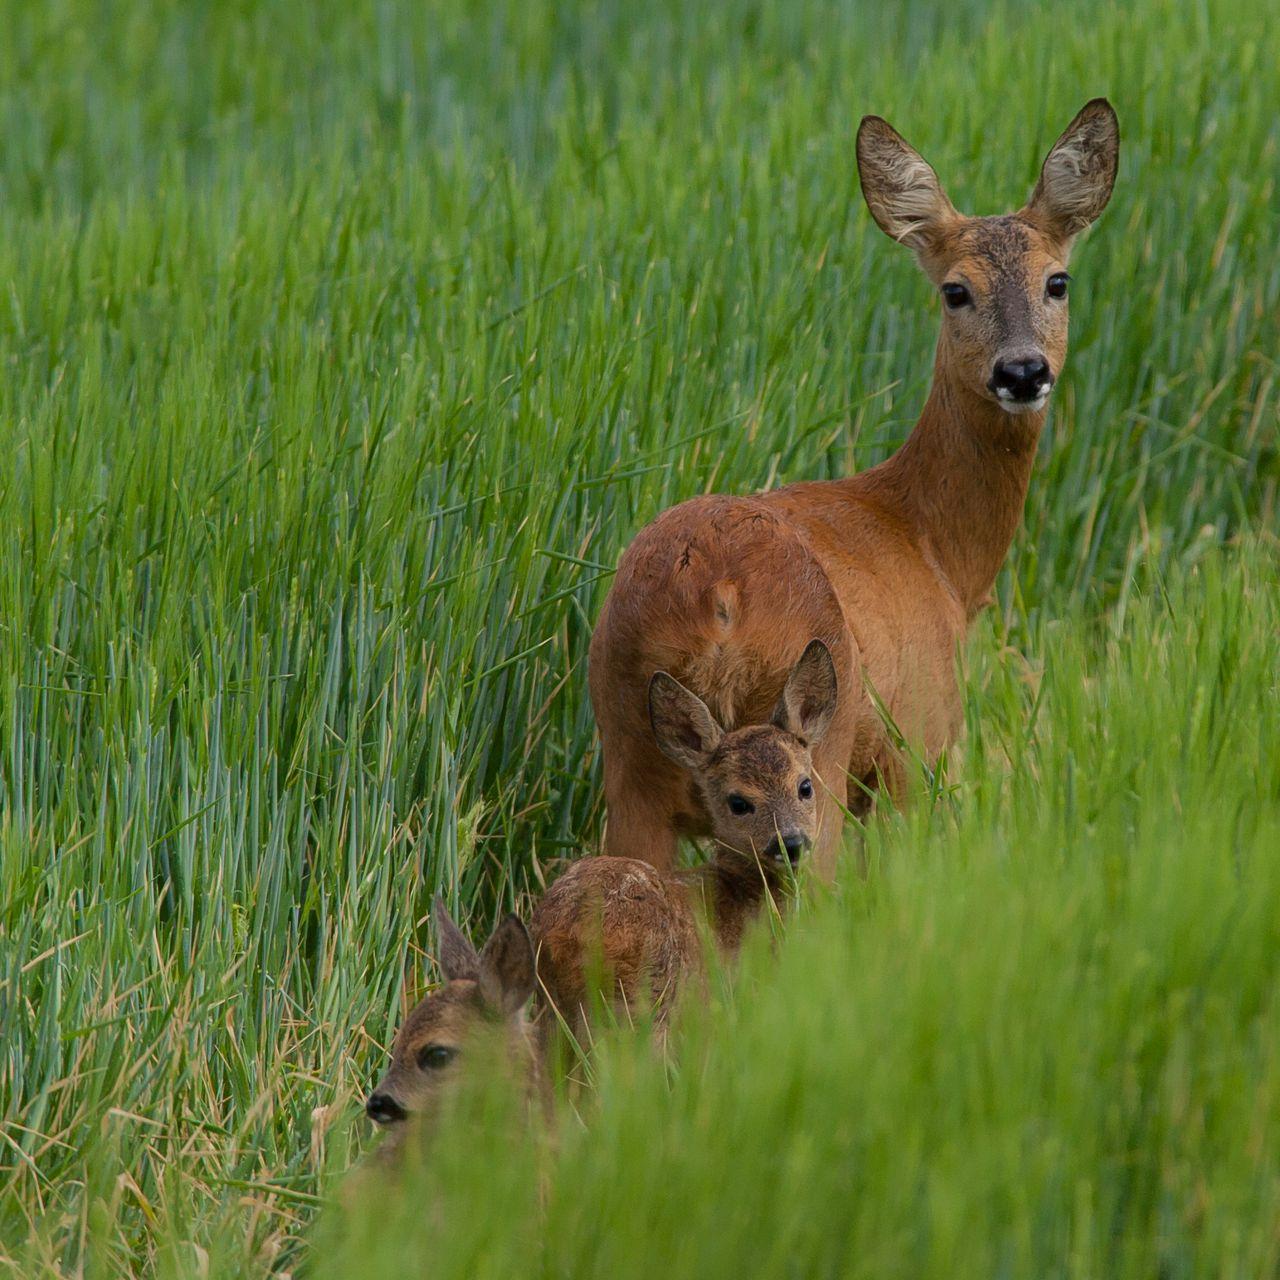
343, 347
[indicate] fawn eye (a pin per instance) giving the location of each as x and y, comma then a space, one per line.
806, 789
739, 806
1056, 285
432, 1057
955, 296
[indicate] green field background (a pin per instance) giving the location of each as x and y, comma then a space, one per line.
343, 347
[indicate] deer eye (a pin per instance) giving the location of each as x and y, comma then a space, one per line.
806, 789
955, 296
1056, 285
431, 1057
739, 806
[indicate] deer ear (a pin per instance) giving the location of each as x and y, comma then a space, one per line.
686, 731
901, 190
458, 957
1078, 173
507, 968
808, 702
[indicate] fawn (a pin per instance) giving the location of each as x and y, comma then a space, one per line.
887, 567
758, 782
480, 1007
639, 926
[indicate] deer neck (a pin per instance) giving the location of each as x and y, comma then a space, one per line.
960, 482
734, 889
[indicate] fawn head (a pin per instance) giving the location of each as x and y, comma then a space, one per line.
482, 1001
1003, 279
757, 782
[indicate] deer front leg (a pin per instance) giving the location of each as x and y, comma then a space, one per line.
833, 772
641, 817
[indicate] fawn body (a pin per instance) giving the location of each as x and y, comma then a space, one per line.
888, 567
643, 929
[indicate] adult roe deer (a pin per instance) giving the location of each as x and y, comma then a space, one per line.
887, 567
640, 927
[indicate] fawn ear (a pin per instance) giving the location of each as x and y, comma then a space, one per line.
808, 701
458, 957
900, 188
686, 731
507, 969
1079, 172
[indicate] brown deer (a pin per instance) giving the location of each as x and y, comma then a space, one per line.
639, 928
480, 1009
889, 566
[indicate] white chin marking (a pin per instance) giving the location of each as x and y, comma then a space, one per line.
1010, 405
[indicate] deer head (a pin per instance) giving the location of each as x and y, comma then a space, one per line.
480, 1008
1003, 280
757, 781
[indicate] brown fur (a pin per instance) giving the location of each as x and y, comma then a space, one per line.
620, 921
641, 930
887, 567
619, 926
478, 1012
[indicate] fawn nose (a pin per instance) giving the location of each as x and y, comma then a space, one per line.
792, 846
1021, 379
795, 846
382, 1108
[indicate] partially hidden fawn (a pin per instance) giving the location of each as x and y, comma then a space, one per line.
638, 928
479, 1010
640, 932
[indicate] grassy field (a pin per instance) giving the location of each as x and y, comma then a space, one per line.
343, 348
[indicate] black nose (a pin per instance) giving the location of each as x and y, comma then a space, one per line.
791, 846
382, 1108
1021, 380
795, 846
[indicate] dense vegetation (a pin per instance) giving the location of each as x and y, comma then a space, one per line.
344, 346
